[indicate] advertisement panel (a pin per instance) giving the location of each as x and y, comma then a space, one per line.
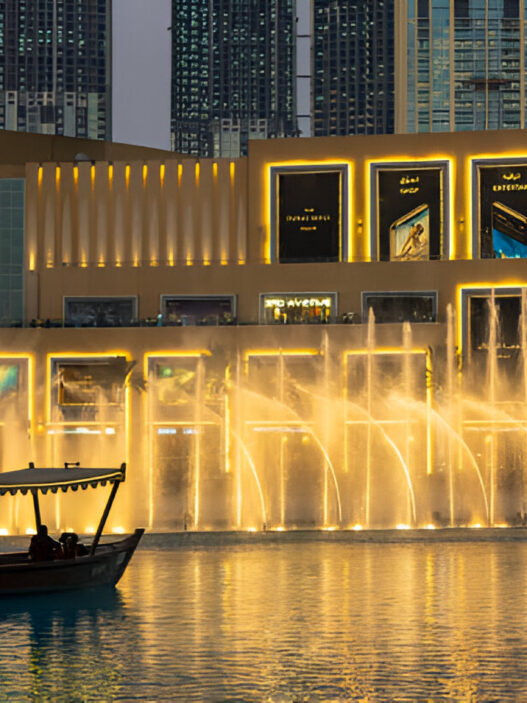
409, 206
308, 216
502, 210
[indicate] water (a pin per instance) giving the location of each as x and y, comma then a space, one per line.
303, 621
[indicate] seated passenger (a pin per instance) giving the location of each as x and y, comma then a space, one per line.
78, 549
42, 546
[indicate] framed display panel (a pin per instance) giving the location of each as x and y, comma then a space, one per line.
90, 381
499, 208
409, 210
309, 213
99, 311
297, 308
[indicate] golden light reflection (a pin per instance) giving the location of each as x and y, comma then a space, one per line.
162, 175
403, 526
127, 175
4, 531
280, 352
357, 528
110, 176
145, 175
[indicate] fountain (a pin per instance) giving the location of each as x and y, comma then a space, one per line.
336, 436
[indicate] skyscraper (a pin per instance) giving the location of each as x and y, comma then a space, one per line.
55, 70
233, 75
353, 67
460, 65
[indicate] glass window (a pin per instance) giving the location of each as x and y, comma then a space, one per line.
198, 309
100, 312
400, 307
12, 194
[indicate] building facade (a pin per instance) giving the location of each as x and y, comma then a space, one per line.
353, 67
460, 65
296, 338
232, 74
55, 67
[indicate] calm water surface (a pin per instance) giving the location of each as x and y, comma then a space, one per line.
290, 622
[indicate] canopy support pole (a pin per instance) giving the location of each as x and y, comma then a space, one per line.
104, 517
38, 520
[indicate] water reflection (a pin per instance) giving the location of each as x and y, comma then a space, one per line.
290, 622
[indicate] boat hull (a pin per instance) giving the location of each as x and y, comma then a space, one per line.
104, 568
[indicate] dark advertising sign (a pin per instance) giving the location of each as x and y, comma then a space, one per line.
410, 213
309, 217
503, 211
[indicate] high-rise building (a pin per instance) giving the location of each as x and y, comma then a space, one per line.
55, 67
460, 65
233, 76
353, 67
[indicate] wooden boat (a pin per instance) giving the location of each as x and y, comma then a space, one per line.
104, 564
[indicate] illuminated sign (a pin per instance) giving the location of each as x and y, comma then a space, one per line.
410, 210
297, 307
501, 210
309, 213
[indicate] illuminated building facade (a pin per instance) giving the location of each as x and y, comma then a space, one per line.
55, 70
460, 65
233, 76
353, 67
233, 327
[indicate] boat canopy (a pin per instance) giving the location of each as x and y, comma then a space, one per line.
33, 480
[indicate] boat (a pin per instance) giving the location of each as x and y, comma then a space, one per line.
104, 563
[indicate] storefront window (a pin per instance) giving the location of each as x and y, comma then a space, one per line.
400, 307
297, 308
100, 312
198, 310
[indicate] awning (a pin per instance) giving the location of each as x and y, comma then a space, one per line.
45, 480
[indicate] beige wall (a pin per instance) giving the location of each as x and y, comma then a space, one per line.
188, 226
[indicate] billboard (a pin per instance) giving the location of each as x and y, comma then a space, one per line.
409, 207
502, 212
308, 215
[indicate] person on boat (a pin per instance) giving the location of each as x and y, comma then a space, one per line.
42, 547
78, 549
70, 547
